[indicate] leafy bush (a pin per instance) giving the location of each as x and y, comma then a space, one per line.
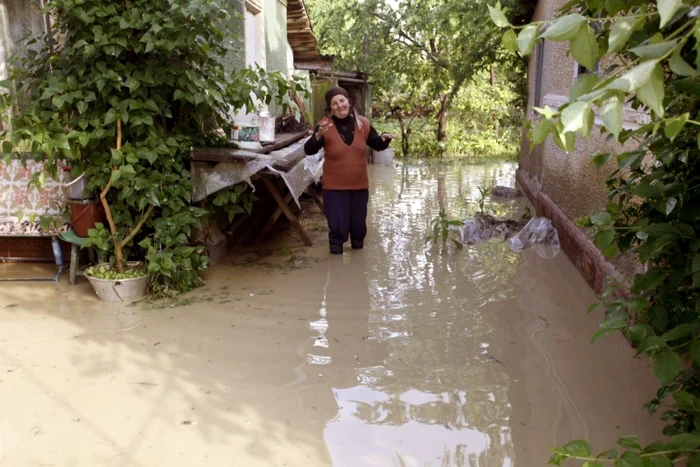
105, 272
653, 53
123, 92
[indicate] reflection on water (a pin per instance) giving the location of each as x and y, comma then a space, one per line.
434, 396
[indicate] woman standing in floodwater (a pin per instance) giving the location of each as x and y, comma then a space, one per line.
344, 136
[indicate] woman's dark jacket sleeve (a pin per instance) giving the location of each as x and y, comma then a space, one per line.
312, 146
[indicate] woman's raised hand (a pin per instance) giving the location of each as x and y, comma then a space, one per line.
323, 126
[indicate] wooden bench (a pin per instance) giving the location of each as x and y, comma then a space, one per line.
57, 256
270, 179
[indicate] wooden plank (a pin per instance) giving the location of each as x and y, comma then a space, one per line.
223, 155
244, 156
282, 140
36, 248
290, 160
314, 196
273, 219
287, 211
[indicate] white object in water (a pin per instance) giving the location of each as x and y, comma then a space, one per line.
385, 157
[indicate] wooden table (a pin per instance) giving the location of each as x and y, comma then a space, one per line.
57, 256
270, 179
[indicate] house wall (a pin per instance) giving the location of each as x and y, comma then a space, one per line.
567, 180
275, 15
17, 19
235, 58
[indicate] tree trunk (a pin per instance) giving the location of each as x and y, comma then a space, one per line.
404, 143
405, 134
442, 118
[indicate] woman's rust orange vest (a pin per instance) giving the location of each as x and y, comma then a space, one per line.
345, 167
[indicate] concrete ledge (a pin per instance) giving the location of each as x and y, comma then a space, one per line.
589, 261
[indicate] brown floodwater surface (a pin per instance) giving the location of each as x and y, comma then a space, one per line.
401, 354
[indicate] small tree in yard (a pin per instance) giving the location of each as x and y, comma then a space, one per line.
652, 50
121, 91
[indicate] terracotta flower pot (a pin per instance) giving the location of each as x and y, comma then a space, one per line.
84, 215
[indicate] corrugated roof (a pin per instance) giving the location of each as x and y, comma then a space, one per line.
300, 33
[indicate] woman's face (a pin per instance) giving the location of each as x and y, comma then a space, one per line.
340, 107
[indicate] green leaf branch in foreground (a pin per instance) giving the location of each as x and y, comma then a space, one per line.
649, 54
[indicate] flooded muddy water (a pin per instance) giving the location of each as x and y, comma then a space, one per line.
396, 355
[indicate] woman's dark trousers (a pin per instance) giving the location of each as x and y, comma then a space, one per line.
346, 213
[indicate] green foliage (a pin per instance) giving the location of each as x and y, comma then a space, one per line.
231, 201
147, 74
467, 144
681, 448
653, 49
420, 54
98, 237
483, 194
105, 272
440, 230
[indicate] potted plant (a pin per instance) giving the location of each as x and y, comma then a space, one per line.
150, 77
119, 280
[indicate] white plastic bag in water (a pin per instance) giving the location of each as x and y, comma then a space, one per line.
540, 234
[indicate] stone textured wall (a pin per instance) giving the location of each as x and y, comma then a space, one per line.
235, 58
568, 179
275, 13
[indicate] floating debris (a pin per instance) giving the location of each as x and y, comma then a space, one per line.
537, 232
483, 226
505, 192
